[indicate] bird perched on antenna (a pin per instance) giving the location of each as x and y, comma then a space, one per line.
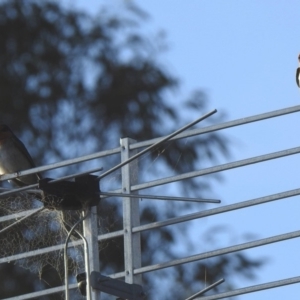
14, 157
298, 73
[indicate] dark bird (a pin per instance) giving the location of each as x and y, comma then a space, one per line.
298, 73
14, 157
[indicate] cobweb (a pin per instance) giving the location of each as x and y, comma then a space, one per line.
33, 235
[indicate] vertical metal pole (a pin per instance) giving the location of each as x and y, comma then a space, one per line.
131, 215
90, 232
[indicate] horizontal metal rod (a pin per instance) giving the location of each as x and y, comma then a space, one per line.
60, 164
217, 210
110, 235
222, 251
37, 252
45, 292
219, 168
253, 288
32, 186
159, 197
205, 213
20, 220
225, 125
158, 143
206, 289
19, 190
18, 215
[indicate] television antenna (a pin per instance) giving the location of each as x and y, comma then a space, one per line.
132, 288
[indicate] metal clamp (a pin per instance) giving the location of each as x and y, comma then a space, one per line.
117, 287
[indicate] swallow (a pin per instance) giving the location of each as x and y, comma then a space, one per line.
298, 72
14, 157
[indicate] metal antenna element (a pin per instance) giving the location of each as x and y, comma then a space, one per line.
67, 296
156, 144
22, 219
18, 190
206, 289
91, 281
159, 197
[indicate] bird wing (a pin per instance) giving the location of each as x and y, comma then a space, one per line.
25, 152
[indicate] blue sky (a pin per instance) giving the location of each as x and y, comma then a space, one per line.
243, 54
